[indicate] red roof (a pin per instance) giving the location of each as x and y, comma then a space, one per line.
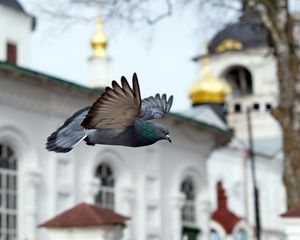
226, 218
85, 215
222, 215
292, 212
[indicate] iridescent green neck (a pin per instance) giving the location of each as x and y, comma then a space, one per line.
148, 131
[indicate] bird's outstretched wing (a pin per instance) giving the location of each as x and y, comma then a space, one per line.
156, 107
117, 107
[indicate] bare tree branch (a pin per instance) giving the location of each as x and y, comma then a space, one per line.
130, 11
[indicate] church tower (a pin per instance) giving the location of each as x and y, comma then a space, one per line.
99, 62
15, 41
240, 55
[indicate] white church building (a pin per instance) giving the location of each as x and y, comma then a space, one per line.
151, 185
198, 187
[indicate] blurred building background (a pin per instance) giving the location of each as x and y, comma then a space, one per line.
198, 187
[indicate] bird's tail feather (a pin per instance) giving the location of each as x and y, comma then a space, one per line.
69, 134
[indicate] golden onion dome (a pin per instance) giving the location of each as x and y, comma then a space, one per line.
99, 41
209, 89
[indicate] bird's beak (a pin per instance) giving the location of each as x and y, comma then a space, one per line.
168, 138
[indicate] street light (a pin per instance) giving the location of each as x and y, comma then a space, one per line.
253, 173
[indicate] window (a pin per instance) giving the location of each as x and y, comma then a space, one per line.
241, 235
190, 233
188, 209
214, 235
256, 106
11, 53
8, 193
105, 196
237, 108
268, 106
240, 81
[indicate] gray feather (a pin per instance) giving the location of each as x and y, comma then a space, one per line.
69, 134
156, 107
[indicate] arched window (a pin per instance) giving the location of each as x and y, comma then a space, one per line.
190, 230
214, 235
188, 209
241, 235
240, 80
8, 193
105, 196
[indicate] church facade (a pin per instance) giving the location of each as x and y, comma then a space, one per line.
162, 188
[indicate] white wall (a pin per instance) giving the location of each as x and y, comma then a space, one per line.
29, 113
90, 233
291, 227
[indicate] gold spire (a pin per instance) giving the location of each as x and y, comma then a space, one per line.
99, 41
208, 89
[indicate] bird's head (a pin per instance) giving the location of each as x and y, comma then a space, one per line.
162, 132
151, 132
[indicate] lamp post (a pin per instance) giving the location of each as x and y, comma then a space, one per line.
253, 173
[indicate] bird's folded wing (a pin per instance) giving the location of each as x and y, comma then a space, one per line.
156, 107
116, 108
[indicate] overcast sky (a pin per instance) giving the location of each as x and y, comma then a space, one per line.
160, 54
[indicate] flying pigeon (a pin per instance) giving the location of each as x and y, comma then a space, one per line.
117, 117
